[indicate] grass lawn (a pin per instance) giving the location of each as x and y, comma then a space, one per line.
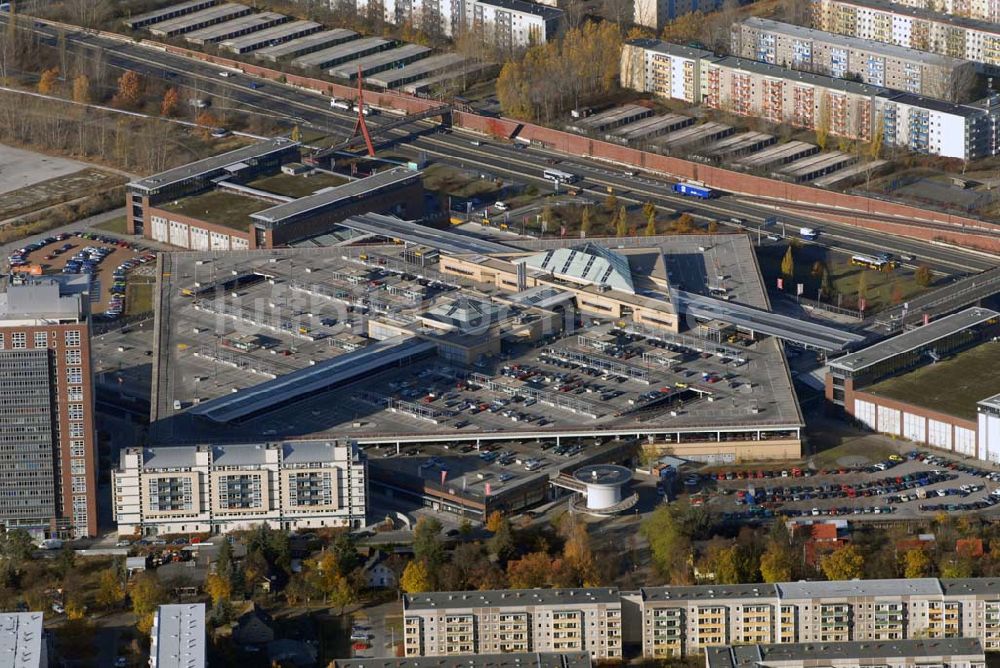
882, 289
455, 182
139, 298
297, 186
952, 386
862, 446
221, 208
115, 225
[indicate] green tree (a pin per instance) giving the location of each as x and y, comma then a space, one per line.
788, 264
845, 563
501, 544
416, 577
427, 544
953, 567
16, 545
916, 564
669, 530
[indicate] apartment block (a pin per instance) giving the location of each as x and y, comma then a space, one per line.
912, 27
678, 621
508, 24
807, 100
219, 488
48, 475
514, 621
656, 14
839, 56
983, 10
949, 653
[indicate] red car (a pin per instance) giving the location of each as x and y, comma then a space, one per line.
361, 646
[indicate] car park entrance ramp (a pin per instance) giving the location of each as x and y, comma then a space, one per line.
800, 332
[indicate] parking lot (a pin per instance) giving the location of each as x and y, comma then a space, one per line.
110, 262
914, 484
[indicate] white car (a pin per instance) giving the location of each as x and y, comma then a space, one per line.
225, 75
500, 205
360, 635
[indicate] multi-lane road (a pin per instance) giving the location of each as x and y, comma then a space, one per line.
523, 164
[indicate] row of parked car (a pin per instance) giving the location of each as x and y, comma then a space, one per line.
991, 499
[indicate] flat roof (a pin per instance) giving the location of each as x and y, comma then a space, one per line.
614, 115
188, 21
212, 164
544, 11
693, 133
318, 58
953, 385
942, 106
778, 153
913, 339
669, 48
992, 402
510, 660
844, 588
407, 230
446, 600
22, 639
239, 454
388, 57
891, 50
279, 32
183, 7
748, 656
317, 377
970, 586
652, 125
420, 68
334, 195
249, 23
307, 43
708, 592
178, 638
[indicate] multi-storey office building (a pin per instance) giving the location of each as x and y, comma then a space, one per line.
807, 100
514, 621
215, 489
48, 467
915, 28
508, 24
839, 56
946, 653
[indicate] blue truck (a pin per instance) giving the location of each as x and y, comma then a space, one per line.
692, 190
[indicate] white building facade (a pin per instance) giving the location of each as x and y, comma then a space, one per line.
220, 488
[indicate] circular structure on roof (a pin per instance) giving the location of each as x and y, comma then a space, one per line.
604, 484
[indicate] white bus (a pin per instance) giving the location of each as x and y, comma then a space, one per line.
560, 176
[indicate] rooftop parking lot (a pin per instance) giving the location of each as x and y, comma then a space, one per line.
236, 321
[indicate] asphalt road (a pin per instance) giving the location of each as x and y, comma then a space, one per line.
522, 164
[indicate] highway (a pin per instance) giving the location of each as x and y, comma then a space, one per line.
524, 165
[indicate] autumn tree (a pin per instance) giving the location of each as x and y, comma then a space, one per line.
648, 209
651, 225
685, 28
611, 202
823, 122
493, 521
713, 227
416, 577
147, 594
953, 566
47, 82
621, 222
531, 571
130, 89
845, 563
878, 137
81, 89
206, 121
777, 563
923, 276
788, 264
170, 103
585, 221
578, 552
110, 592
683, 224
219, 588
916, 564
